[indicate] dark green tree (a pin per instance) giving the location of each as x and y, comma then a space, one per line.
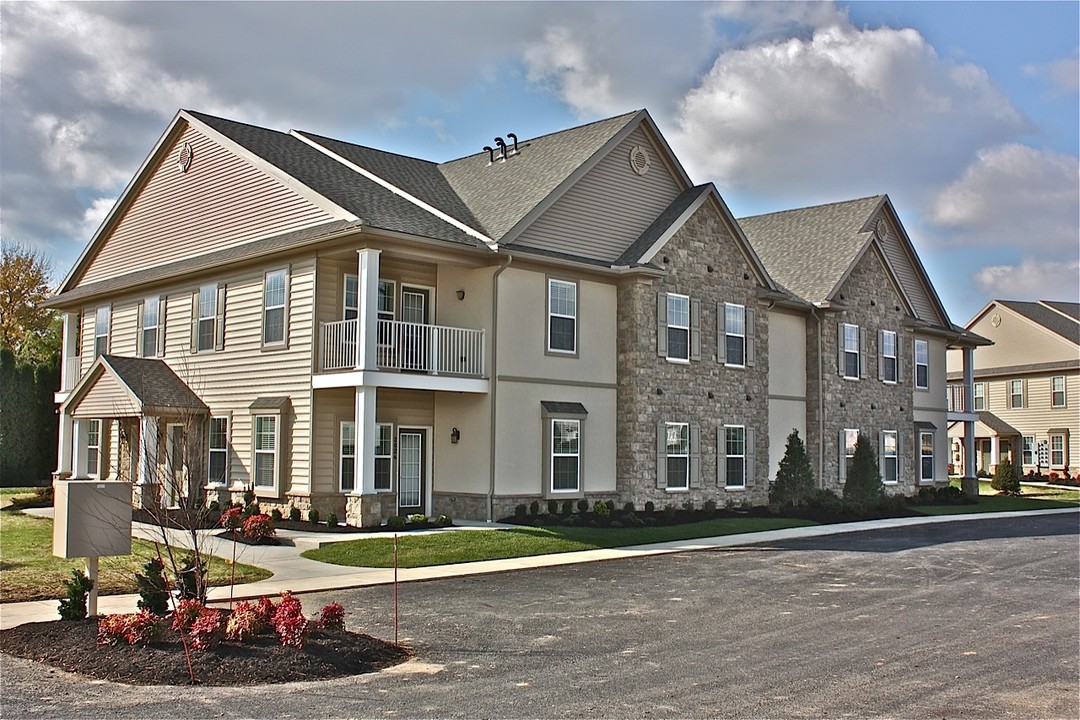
795, 477
73, 607
1005, 478
863, 488
152, 587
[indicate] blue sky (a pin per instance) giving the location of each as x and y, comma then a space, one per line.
965, 113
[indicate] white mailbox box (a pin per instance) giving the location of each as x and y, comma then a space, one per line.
92, 518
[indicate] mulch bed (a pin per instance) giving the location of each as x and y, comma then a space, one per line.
71, 645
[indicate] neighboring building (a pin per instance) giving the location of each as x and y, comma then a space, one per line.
1026, 387
564, 317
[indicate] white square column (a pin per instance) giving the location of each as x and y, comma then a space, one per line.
367, 310
364, 418
148, 450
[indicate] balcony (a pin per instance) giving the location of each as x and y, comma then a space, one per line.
433, 350
72, 367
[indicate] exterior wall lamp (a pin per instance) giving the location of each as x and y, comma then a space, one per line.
460, 294
455, 435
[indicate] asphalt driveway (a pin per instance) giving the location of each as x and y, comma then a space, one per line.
965, 619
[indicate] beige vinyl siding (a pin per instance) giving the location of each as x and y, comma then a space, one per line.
222, 201
125, 328
904, 266
106, 399
1017, 341
331, 407
605, 211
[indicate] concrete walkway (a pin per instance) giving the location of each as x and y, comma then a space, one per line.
300, 575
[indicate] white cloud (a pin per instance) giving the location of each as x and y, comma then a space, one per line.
1062, 74
1031, 280
564, 61
1014, 195
845, 111
93, 216
775, 19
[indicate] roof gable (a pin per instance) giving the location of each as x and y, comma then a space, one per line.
117, 386
1047, 317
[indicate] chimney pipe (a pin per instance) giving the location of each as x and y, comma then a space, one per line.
513, 137
502, 146
491, 154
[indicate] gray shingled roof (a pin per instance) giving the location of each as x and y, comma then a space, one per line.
808, 250
1044, 316
1069, 308
563, 408
661, 224
372, 203
996, 424
154, 383
502, 194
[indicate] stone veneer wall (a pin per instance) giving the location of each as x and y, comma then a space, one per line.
867, 404
704, 262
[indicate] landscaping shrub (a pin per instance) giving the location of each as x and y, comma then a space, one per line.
276, 515
332, 520
396, 522
313, 516
628, 508
520, 511
571, 520
534, 508
863, 488
153, 590
259, 527
709, 507
650, 507
688, 506
73, 607
252, 509
187, 611
669, 513
247, 620
601, 509
332, 616
208, 630
294, 513
214, 506
583, 506
233, 518
265, 610
615, 524
289, 621
553, 507
567, 507
418, 519
192, 578
795, 476
1005, 480
141, 628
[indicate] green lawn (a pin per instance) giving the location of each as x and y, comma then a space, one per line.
9, 494
1032, 497
29, 571
474, 545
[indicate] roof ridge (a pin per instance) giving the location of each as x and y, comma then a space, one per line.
307, 133
814, 207
201, 115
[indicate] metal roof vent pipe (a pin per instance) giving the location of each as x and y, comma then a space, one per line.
513, 137
491, 154
502, 147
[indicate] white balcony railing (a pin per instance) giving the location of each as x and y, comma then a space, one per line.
413, 347
72, 367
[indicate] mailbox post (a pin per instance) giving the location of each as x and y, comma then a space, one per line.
92, 520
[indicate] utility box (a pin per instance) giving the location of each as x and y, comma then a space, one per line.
92, 518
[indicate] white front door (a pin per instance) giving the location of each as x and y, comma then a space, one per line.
411, 472
414, 340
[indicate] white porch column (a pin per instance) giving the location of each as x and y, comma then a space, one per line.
364, 480
368, 311
148, 450
69, 350
65, 442
78, 450
969, 482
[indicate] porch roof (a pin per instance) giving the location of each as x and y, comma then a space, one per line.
117, 386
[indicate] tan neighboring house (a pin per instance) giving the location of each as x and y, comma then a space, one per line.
368, 334
1026, 388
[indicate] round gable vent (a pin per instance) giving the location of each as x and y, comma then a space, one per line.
882, 229
186, 155
639, 160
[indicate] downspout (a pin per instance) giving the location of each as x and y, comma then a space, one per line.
494, 378
821, 404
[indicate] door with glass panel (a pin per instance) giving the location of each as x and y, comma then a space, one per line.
411, 472
415, 343
174, 464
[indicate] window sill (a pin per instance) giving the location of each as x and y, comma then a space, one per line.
734, 366
677, 490
734, 488
854, 379
677, 361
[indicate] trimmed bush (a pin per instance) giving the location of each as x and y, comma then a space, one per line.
332, 520
313, 516
289, 621
688, 506
650, 507
863, 488
294, 513
553, 507
141, 628
73, 607
259, 527
396, 522
601, 509
534, 508
444, 521
567, 507
628, 508
709, 507
795, 476
1005, 480
583, 506
152, 588
276, 515
418, 519
332, 616
520, 511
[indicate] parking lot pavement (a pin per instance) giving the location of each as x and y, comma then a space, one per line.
965, 619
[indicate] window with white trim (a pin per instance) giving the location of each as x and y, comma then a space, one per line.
275, 304
926, 456
851, 439
207, 331
266, 444
93, 448
384, 456
980, 396
734, 456
351, 298
1057, 450
678, 327
562, 316
922, 364
1027, 456
851, 351
565, 455
218, 449
1057, 391
1016, 393
889, 362
150, 322
347, 456
734, 334
678, 456
101, 330
890, 457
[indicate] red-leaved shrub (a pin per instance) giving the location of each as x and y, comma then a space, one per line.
141, 628
187, 611
332, 616
246, 622
289, 621
208, 629
258, 527
232, 518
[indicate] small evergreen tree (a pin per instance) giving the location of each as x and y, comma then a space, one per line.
795, 477
73, 607
863, 486
1005, 478
152, 589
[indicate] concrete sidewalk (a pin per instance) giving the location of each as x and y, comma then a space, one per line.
300, 575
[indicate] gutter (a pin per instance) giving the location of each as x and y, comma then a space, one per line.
494, 379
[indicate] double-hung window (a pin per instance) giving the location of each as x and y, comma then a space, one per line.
980, 396
347, 455
922, 364
734, 334
218, 444
850, 351
678, 327
1057, 391
889, 352
565, 455
275, 307
926, 457
677, 444
384, 455
208, 318
101, 330
562, 317
1057, 450
266, 451
849, 438
890, 457
1016, 393
151, 327
734, 456
1027, 456
93, 448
